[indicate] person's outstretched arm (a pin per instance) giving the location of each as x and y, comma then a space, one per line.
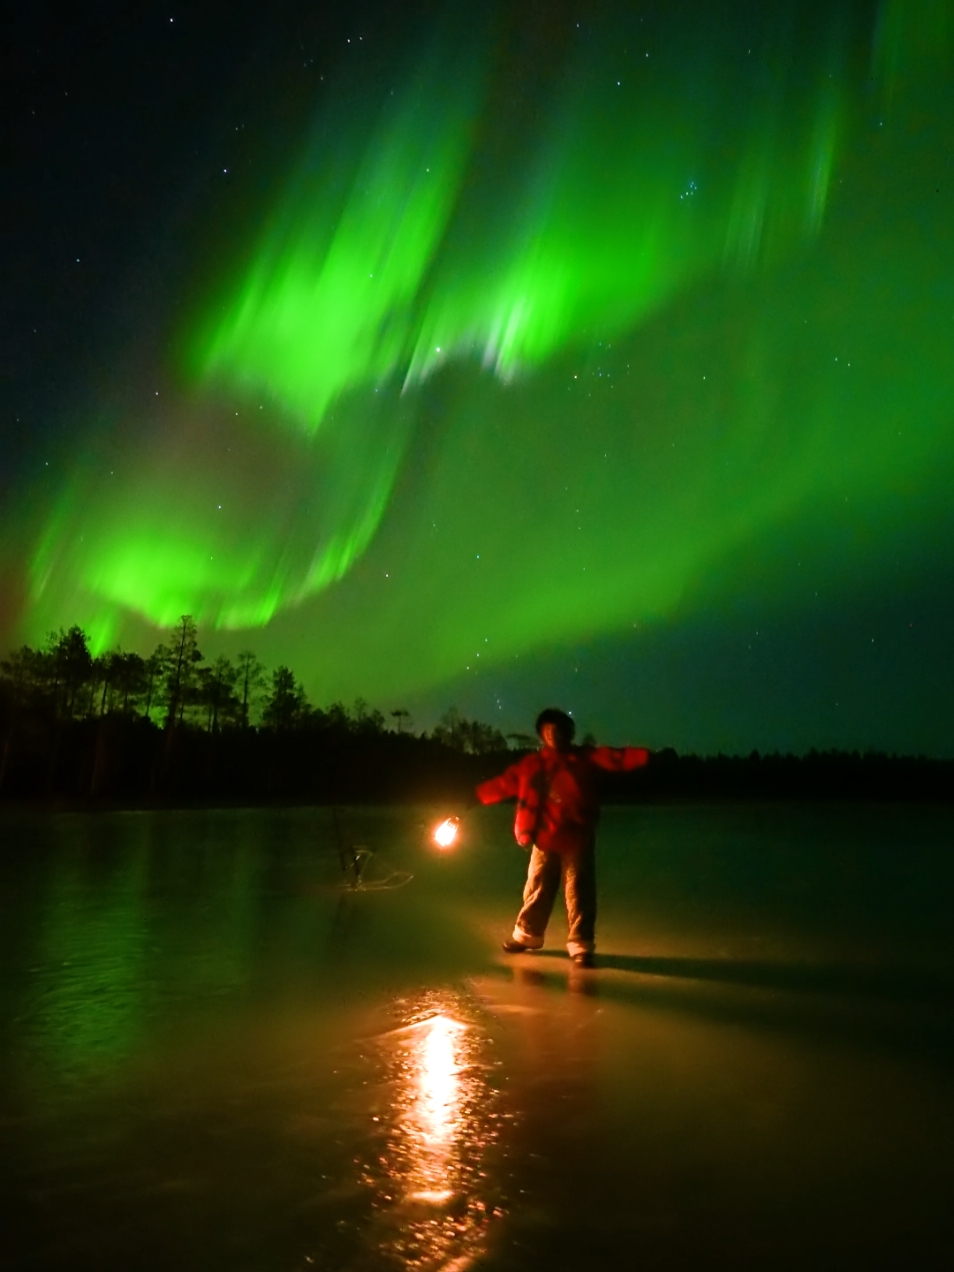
503, 787
619, 759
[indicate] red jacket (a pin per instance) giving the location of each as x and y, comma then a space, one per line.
557, 802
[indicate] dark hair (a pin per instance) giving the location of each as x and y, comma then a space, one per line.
564, 723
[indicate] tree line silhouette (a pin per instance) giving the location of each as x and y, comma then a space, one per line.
174, 727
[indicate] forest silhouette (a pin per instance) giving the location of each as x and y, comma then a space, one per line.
175, 728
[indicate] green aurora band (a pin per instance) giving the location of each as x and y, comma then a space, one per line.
485, 383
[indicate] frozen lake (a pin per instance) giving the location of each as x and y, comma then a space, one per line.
213, 1057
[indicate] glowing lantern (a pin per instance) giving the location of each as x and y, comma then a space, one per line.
446, 832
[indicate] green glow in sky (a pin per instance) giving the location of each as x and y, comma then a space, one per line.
632, 191
491, 380
328, 301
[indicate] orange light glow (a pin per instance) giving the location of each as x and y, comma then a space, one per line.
446, 832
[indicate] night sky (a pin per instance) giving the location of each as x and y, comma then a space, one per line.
495, 356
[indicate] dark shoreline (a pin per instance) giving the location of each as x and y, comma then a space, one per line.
133, 765
78, 732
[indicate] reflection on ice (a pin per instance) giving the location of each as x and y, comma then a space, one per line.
438, 1086
432, 1191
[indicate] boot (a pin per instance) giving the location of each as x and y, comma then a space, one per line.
510, 946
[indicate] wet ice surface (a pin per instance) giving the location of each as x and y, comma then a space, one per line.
213, 1056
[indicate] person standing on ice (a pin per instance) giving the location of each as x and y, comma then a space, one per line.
557, 812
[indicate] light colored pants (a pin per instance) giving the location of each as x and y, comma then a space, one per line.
578, 870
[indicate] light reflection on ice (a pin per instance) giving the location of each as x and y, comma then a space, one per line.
432, 1191
438, 1084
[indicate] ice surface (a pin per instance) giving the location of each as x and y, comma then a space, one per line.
217, 1054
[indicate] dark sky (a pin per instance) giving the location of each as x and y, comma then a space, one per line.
596, 355
118, 117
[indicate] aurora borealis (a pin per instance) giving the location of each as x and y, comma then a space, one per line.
564, 344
